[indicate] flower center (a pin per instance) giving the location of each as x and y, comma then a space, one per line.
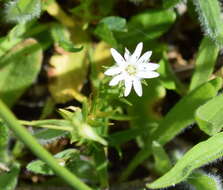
130, 69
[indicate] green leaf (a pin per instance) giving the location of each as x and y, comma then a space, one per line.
179, 117
8, 181
83, 167
15, 36
168, 79
209, 12
147, 117
205, 61
22, 10
210, 116
166, 74
118, 138
162, 161
19, 68
196, 157
114, 23
202, 181
185, 110
68, 46
147, 26
55, 129
61, 36
170, 3
103, 32
46, 136
40, 167
71, 159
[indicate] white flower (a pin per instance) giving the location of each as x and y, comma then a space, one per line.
132, 69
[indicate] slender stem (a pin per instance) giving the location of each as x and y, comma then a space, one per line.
38, 150
45, 126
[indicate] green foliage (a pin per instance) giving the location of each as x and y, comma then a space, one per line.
89, 10
162, 161
60, 36
70, 158
202, 181
46, 136
209, 116
168, 78
194, 158
63, 54
170, 3
104, 33
40, 167
205, 61
4, 139
101, 163
114, 23
22, 10
209, 12
171, 125
8, 181
81, 130
25, 57
146, 26
14, 37
118, 138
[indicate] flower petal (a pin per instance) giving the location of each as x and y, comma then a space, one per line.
128, 86
137, 86
113, 71
145, 57
135, 56
127, 54
116, 80
147, 75
148, 66
117, 56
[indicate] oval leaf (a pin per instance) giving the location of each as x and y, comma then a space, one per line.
19, 68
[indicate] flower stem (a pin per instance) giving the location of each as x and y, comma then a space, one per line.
38, 150
48, 126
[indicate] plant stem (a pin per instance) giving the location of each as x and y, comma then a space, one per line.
45, 126
38, 150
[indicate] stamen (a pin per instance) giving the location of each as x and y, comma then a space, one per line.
131, 70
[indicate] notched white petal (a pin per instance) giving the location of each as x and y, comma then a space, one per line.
147, 75
148, 66
128, 87
145, 57
117, 56
137, 87
127, 54
135, 56
116, 80
113, 71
